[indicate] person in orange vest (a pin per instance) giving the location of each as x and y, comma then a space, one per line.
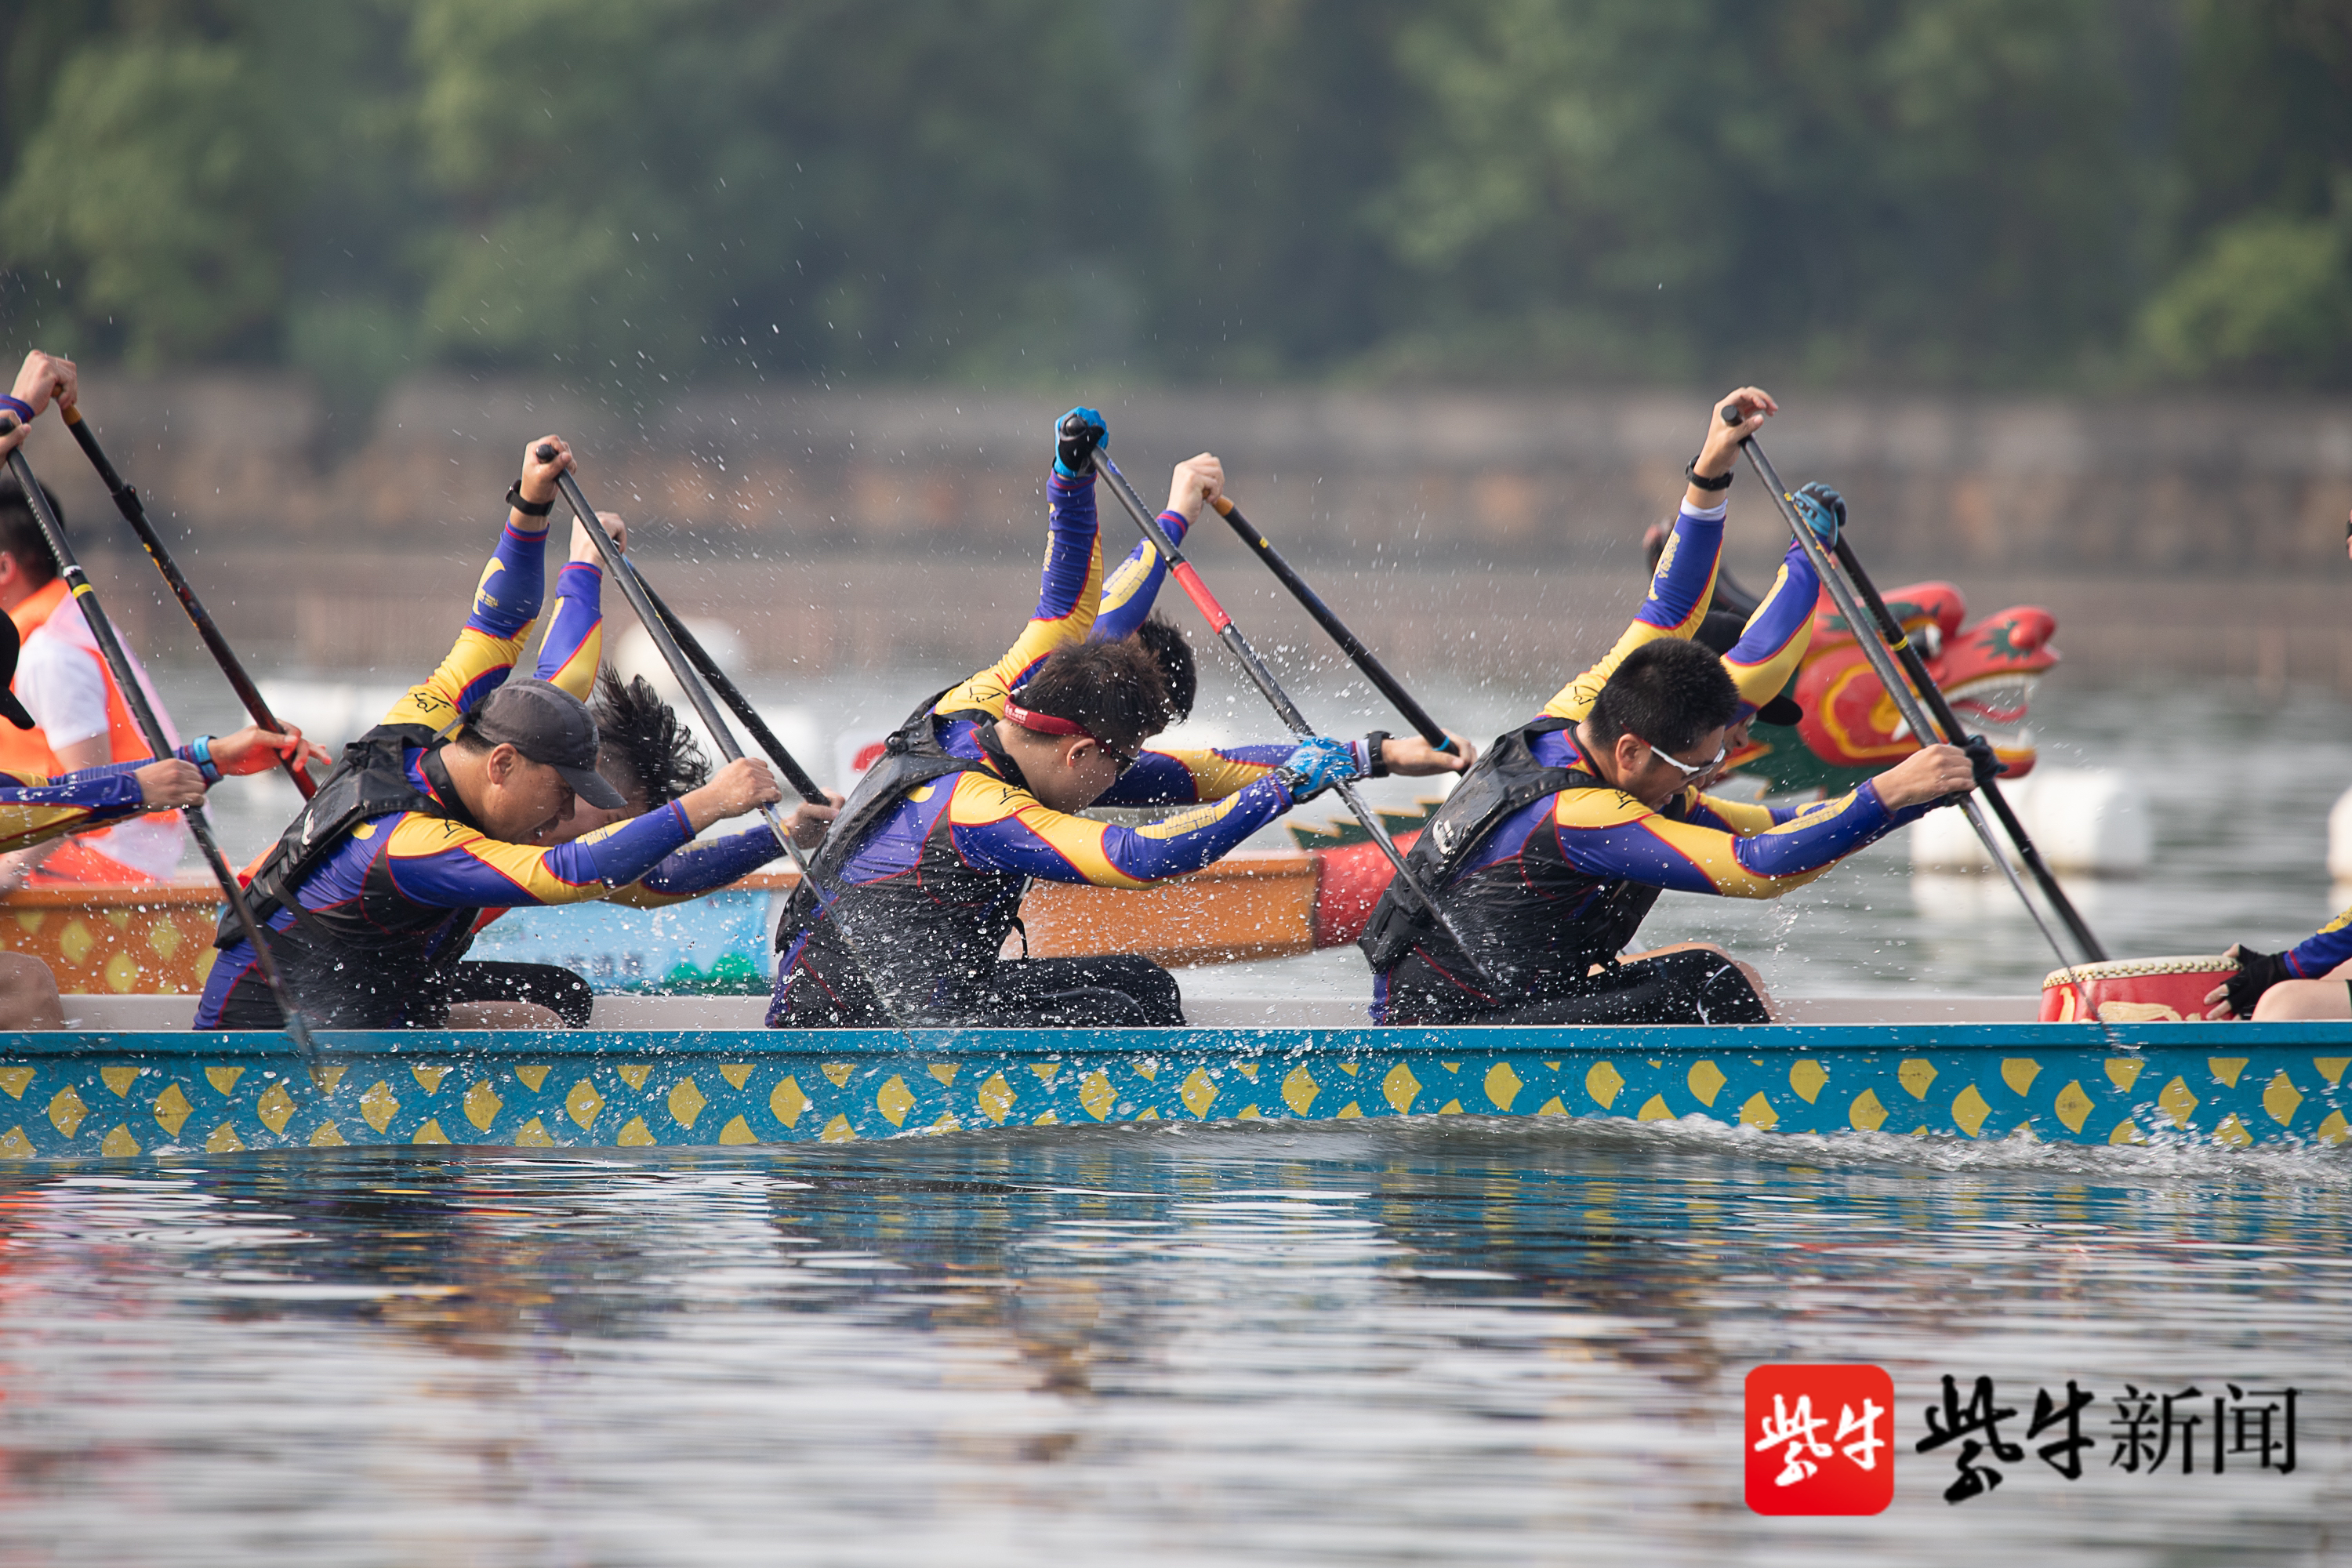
80, 717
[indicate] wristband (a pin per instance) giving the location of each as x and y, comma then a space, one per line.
1720, 482
528, 508
24, 409
1374, 767
201, 750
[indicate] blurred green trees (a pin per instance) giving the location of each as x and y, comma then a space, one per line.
2069, 193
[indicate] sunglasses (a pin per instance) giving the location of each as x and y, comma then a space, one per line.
1691, 775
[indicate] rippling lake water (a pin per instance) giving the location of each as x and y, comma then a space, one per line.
1474, 1342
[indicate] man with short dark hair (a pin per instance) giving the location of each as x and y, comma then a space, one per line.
920, 883
372, 893
1552, 850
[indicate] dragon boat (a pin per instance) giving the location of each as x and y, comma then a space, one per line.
123, 1082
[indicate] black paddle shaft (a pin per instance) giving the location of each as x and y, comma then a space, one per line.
1324, 616
730, 694
135, 513
1891, 633
142, 713
1941, 709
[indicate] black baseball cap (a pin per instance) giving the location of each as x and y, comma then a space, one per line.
10, 709
548, 724
1721, 631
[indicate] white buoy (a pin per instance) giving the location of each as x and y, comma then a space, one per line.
2091, 820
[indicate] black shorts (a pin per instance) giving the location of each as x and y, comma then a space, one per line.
1687, 988
1115, 991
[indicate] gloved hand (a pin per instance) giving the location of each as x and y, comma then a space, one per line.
1317, 766
2257, 972
1075, 437
1983, 758
1823, 510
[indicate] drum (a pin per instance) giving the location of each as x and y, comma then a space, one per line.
2136, 990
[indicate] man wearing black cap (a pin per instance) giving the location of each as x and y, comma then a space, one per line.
371, 894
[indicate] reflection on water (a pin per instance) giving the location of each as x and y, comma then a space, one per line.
1474, 1342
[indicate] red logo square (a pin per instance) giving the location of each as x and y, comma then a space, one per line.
1820, 1439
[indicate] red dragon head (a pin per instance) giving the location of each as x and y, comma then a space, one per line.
1988, 671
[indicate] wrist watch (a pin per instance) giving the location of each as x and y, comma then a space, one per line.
1720, 481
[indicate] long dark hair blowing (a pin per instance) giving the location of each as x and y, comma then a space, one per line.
642, 735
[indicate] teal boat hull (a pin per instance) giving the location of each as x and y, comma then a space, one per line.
139, 1095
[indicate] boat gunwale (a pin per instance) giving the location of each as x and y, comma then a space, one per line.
873, 1045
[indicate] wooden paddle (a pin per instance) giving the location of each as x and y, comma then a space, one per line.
142, 712
1324, 616
1271, 689
135, 513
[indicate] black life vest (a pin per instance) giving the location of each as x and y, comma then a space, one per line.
356, 965
924, 935
1522, 938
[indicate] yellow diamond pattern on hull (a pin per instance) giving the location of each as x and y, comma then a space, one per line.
1399, 1088
2018, 1073
1602, 1081
583, 1104
1097, 1096
737, 1074
14, 1145
223, 1141
430, 1132
1707, 1081
838, 1072
119, 1144
378, 1107
172, 1109
738, 1131
996, 1099
894, 1099
533, 1134
686, 1101
1654, 1109
2332, 1067
636, 1135
1759, 1112
427, 1078
118, 1079
1197, 1094
2280, 1097
634, 1074
1866, 1113
533, 1078
2073, 1106
276, 1108
1914, 1076
2227, 1068
787, 1102
1969, 1109
838, 1131
1503, 1085
223, 1080
2124, 1071
17, 1080
482, 1104
2232, 1131
328, 1136
1299, 1090
2178, 1102
2334, 1130
1808, 1077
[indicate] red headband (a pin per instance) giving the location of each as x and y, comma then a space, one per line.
1046, 723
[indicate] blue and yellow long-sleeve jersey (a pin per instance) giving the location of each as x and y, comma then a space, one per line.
1770, 647
574, 648
34, 810
1134, 583
2317, 956
929, 894
1556, 886
416, 880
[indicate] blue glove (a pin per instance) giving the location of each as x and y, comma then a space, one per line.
1075, 437
1317, 766
1823, 510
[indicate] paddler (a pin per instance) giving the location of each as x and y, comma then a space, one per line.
79, 719
430, 818
1553, 848
977, 794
